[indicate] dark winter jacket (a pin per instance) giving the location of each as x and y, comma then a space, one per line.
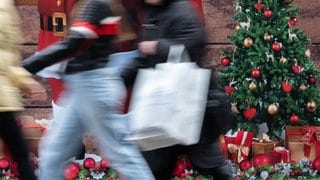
168, 27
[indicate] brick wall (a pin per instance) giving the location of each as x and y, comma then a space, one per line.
219, 23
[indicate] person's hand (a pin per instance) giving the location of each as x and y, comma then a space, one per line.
148, 47
35, 91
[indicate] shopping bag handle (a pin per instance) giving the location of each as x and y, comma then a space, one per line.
178, 53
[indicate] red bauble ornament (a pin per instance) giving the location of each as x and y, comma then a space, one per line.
259, 6
225, 61
245, 164
71, 171
104, 163
255, 73
267, 13
276, 47
89, 163
291, 23
250, 113
229, 90
316, 164
4, 163
312, 80
294, 119
297, 69
179, 168
261, 160
286, 87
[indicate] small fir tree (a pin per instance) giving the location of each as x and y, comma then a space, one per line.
269, 74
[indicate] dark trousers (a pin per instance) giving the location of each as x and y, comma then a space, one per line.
12, 136
207, 159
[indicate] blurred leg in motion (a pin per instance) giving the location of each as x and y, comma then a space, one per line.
11, 133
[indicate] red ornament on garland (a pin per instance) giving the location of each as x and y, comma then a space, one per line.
316, 164
179, 168
312, 80
255, 73
291, 23
276, 47
104, 163
4, 163
294, 119
286, 87
225, 61
250, 113
261, 160
89, 163
71, 171
245, 164
267, 13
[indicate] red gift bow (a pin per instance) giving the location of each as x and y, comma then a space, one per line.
311, 135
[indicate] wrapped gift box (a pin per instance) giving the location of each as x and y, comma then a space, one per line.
239, 146
264, 147
297, 151
227, 140
303, 142
279, 154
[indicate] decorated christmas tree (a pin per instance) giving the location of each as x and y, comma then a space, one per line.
269, 74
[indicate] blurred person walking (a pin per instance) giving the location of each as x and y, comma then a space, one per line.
13, 78
55, 18
170, 22
95, 94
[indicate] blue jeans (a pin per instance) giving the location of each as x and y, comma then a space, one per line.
93, 101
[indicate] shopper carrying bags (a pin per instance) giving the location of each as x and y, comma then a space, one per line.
167, 23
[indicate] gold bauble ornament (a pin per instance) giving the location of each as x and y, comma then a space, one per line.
267, 37
238, 27
303, 87
283, 60
311, 106
247, 42
252, 86
273, 109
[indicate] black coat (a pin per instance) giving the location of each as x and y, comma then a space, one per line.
176, 22
168, 27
